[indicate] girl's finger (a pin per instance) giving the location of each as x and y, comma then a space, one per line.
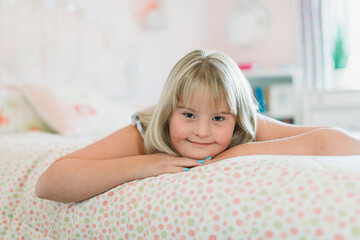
188, 163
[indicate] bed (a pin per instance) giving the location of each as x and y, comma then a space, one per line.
249, 197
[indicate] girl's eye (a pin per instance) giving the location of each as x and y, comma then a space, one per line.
218, 119
189, 115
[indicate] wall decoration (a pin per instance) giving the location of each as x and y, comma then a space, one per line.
248, 23
150, 14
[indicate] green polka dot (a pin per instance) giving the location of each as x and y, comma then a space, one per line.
267, 208
191, 222
355, 231
263, 192
342, 213
163, 234
220, 180
314, 221
277, 225
87, 220
254, 231
350, 185
153, 216
278, 194
262, 174
140, 229
245, 209
330, 208
304, 195
66, 219
84, 208
102, 210
186, 200
220, 195
122, 199
203, 177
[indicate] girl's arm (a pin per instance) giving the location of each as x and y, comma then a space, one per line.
270, 129
276, 138
114, 160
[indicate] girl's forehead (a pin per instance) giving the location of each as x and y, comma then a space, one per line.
204, 101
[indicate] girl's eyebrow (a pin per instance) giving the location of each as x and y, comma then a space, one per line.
183, 107
222, 112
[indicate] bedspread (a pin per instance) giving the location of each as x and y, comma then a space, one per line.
249, 197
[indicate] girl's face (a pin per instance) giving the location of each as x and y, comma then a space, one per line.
198, 131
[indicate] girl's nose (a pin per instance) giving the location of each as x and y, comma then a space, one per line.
202, 129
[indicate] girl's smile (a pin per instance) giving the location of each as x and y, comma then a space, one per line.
198, 131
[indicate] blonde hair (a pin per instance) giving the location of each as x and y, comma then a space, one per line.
220, 78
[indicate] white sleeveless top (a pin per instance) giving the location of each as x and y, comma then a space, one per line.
136, 122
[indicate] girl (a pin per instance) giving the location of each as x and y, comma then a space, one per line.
206, 109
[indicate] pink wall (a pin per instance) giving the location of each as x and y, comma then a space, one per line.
279, 45
56, 42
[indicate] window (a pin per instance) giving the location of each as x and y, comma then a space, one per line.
353, 66
346, 44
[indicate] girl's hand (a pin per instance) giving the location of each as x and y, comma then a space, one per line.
161, 163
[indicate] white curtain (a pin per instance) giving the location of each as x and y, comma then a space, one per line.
318, 28
59, 43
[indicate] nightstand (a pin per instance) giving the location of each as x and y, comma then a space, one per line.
334, 108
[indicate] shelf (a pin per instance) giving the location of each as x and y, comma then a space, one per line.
278, 93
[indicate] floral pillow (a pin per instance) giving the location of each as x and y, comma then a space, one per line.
78, 111
16, 114
67, 111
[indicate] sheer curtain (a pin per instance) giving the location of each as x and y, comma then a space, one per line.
320, 21
312, 42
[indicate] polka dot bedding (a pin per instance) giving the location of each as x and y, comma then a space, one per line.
250, 197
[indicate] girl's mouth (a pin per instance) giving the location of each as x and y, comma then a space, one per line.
200, 143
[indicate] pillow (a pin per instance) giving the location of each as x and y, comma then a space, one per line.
16, 115
78, 111
52, 109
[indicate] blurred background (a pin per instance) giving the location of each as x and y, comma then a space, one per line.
299, 55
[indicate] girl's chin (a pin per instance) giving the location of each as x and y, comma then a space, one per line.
197, 156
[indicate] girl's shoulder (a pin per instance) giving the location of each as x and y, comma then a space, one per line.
142, 118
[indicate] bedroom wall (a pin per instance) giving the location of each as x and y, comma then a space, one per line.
101, 45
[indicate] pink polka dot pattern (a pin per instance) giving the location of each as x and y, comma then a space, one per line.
254, 197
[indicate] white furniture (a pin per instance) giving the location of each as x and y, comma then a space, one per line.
335, 108
282, 92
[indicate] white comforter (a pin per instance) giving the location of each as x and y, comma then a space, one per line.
250, 197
